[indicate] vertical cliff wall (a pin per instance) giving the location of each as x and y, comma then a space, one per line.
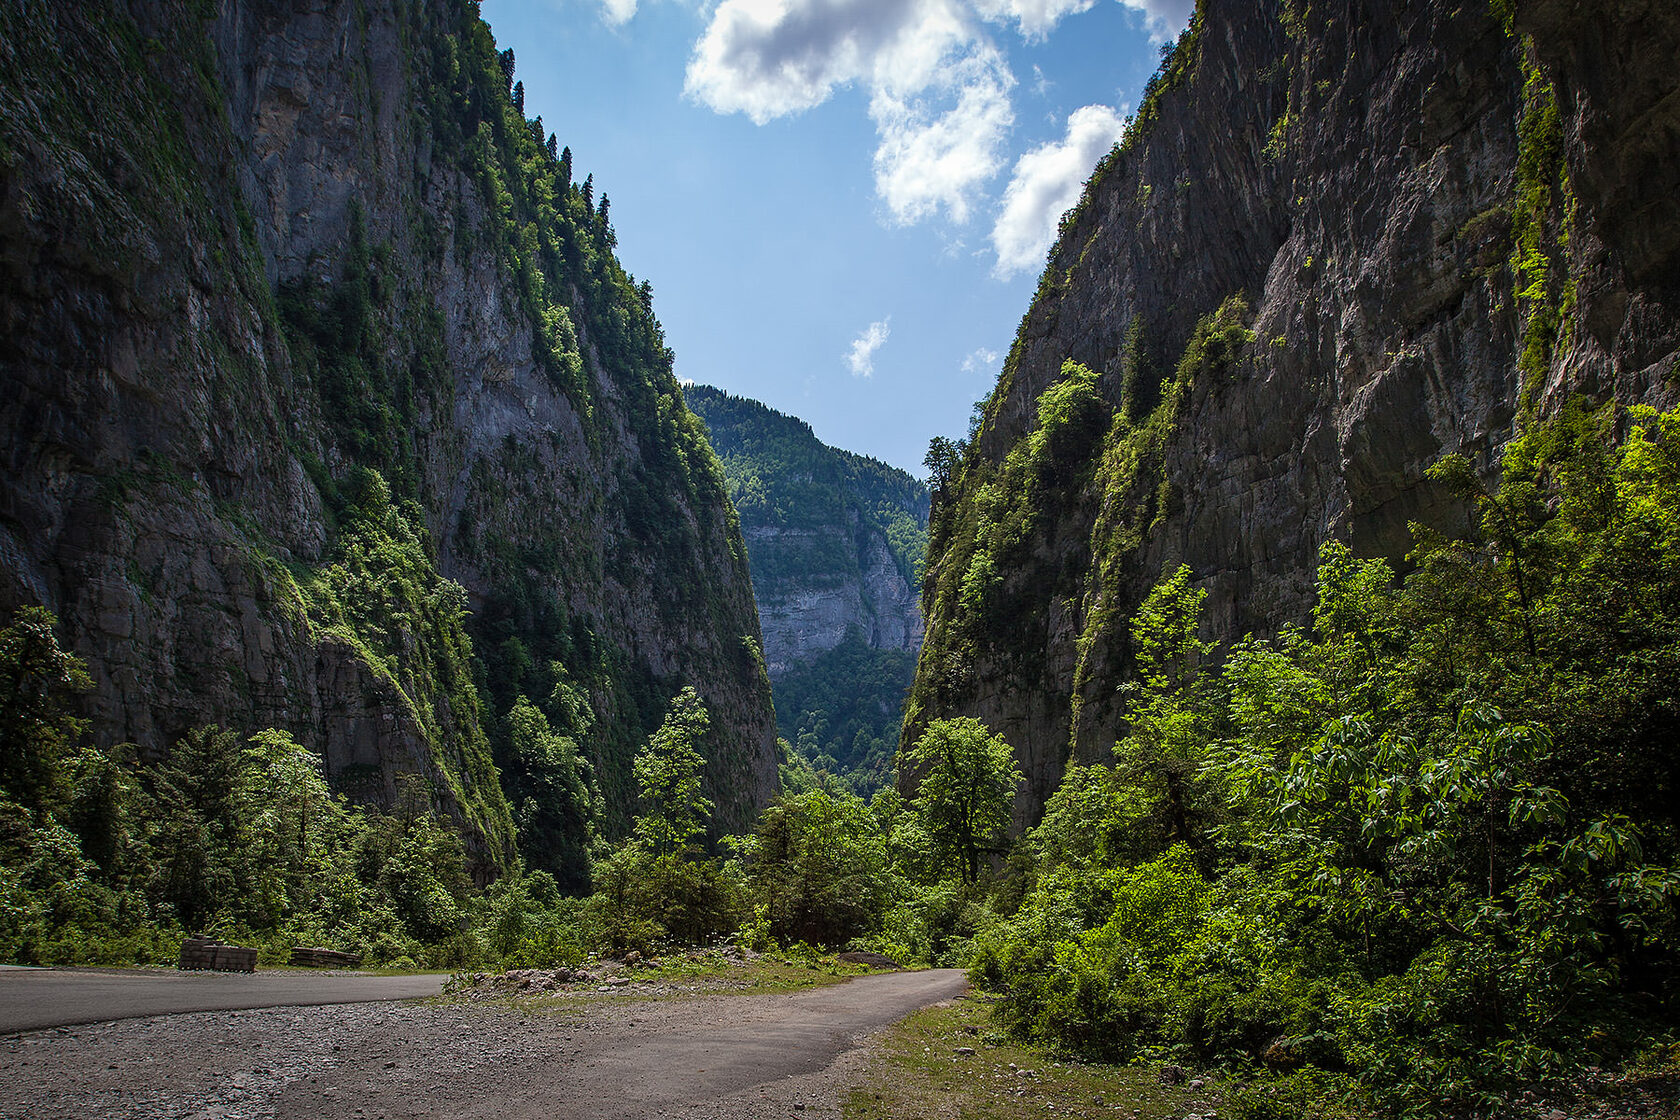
1339, 241
318, 365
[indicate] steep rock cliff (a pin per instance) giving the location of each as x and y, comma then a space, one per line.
303, 327
1339, 241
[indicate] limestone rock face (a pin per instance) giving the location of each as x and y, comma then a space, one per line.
1363, 177
874, 597
244, 253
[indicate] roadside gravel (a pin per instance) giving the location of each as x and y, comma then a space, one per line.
731, 1057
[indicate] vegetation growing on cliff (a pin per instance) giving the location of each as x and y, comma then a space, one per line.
108, 858
841, 710
1429, 842
562, 708
995, 523
382, 598
1420, 854
113, 861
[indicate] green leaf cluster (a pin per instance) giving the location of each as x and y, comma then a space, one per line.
966, 783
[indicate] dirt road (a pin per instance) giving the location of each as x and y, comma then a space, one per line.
707, 1058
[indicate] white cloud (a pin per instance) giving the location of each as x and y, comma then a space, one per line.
617, 12
932, 157
1046, 182
1035, 18
770, 58
1163, 18
938, 89
983, 360
862, 356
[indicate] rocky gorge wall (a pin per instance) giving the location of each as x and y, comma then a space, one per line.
318, 365
1339, 242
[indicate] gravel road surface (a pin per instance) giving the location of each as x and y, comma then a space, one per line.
730, 1057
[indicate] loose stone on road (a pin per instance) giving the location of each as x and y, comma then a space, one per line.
727, 1057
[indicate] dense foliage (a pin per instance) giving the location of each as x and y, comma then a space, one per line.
966, 781
1423, 850
1429, 842
108, 858
104, 859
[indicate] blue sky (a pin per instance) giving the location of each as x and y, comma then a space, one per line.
842, 205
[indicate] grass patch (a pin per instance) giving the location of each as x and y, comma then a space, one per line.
922, 1072
766, 974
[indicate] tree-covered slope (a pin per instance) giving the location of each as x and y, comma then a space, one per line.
331, 409
836, 542
1337, 243
833, 535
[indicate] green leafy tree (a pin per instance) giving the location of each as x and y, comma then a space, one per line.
659, 887
1172, 714
280, 797
105, 810
942, 459
553, 786
674, 811
196, 830
819, 868
968, 780
1444, 814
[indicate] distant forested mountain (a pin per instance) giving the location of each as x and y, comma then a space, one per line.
835, 541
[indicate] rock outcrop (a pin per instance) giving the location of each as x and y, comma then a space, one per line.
251, 252
1339, 242
871, 596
